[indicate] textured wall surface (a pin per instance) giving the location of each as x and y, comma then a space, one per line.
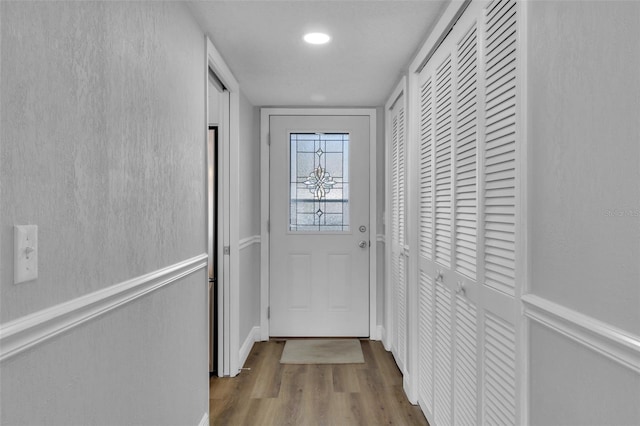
584, 125
584, 138
101, 143
578, 386
249, 173
103, 148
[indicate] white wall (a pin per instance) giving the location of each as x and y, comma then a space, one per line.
103, 148
584, 138
249, 186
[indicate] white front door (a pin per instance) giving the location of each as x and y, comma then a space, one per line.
319, 216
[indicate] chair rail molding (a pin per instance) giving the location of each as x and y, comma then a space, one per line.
614, 343
249, 241
26, 332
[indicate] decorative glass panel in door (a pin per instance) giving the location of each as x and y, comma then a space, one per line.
319, 182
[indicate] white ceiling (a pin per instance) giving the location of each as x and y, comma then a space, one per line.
372, 43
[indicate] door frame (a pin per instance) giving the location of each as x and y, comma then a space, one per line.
229, 227
265, 115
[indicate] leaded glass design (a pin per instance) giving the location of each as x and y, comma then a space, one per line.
319, 182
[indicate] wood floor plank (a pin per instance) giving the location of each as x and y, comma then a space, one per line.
345, 378
272, 394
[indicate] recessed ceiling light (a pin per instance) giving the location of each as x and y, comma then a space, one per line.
317, 38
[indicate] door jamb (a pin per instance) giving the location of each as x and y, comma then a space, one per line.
265, 114
229, 162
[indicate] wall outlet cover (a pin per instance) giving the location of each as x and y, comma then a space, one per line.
25, 265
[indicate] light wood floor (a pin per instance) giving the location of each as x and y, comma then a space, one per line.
271, 393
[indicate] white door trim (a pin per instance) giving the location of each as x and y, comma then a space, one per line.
228, 265
265, 113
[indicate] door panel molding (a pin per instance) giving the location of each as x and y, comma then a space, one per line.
265, 115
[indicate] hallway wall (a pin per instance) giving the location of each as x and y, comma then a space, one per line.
584, 138
249, 173
103, 148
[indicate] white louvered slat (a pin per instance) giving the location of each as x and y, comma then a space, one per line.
465, 372
401, 176
395, 221
466, 155
402, 279
499, 379
442, 165
500, 146
398, 215
395, 211
402, 310
467, 177
426, 168
442, 375
425, 338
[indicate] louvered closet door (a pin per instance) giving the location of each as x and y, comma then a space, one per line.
467, 186
398, 233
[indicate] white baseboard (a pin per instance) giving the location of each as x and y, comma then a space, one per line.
408, 389
378, 333
23, 333
385, 339
252, 337
204, 421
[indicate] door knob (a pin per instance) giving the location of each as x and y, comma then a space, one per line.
362, 244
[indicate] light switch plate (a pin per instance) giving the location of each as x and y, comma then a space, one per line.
25, 264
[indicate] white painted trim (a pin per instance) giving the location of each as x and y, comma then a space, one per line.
249, 241
380, 332
220, 68
373, 223
229, 179
245, 349
26, 332
523, 265
385, 339
389, 298
453, 9
412, 219
265, 260
407, 385
616, 344
204, 421
265, 113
